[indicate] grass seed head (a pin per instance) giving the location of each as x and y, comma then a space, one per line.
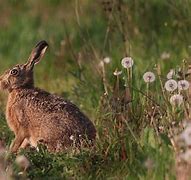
117, 73
170, 74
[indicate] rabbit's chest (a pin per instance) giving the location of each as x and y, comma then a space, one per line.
14, 114
12, 119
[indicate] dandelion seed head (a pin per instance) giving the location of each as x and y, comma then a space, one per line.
149, 77
127, 62
170, 74
176, 100
171, 85
107, 60
183, 85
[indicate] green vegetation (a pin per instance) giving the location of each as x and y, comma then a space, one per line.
136, 125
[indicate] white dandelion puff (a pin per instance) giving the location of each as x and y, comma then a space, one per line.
171, 85
107, 60
117, 73
170, 74
149, 77
127, 62
183, 85
176, 100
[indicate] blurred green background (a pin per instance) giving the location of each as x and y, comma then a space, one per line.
87, 31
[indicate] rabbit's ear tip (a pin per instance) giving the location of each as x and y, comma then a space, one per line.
42, 43
37, 53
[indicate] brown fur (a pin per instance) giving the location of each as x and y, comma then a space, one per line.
35, 115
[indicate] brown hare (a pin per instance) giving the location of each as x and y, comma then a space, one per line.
35, 115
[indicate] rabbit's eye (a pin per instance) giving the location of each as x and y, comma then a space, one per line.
14, 72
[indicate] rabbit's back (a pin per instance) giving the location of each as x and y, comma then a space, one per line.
50, 118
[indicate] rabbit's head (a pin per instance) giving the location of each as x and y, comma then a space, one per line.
21, 75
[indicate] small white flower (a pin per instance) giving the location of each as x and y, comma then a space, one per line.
22, 161
170, 74
117, 73
107, 60
183, 85
171, 85
149, 77
176, 100
165, 55
127, 62
72, 137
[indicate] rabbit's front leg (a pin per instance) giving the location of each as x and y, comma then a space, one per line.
19, 138
25, 143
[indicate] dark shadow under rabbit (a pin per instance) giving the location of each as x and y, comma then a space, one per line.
35, 115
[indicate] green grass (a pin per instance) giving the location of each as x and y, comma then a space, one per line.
129, 144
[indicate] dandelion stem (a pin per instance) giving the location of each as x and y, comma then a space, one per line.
104, 79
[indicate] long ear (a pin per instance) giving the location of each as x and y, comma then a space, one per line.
37, 53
